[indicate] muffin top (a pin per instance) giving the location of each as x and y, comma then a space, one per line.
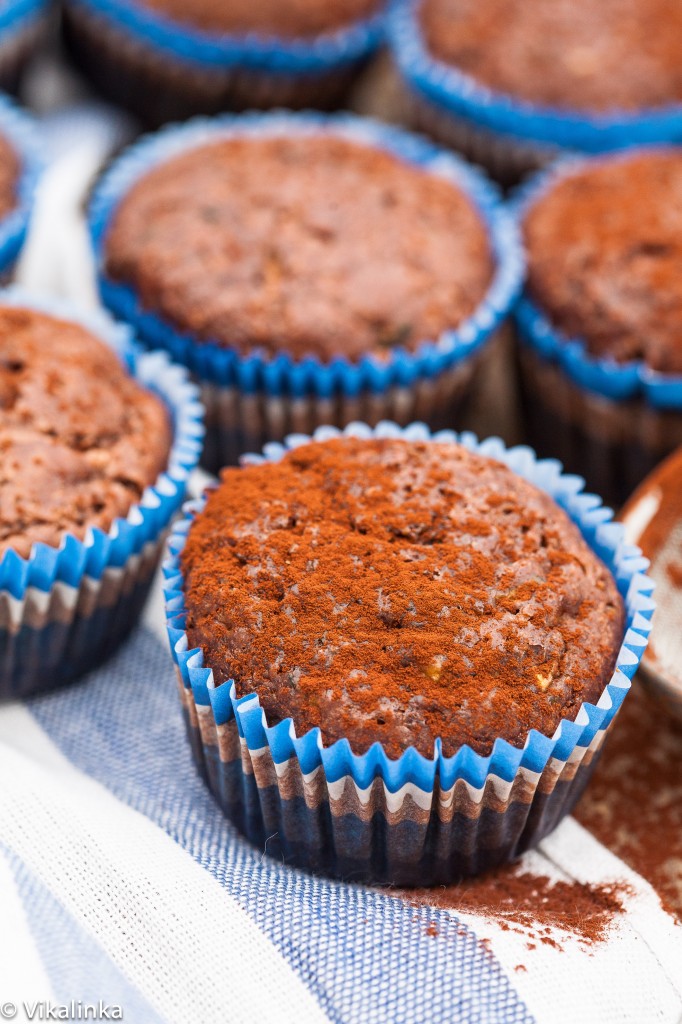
304, 244
289, 19
572, 54
396, 591
79, 438
10, 168
604, 251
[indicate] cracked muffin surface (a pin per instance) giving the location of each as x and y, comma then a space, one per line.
604, 247
305, 244
399, 591
80, 439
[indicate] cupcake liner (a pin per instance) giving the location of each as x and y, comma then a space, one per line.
413, 820
20, 131
206, 72
21, 26
255, 398
516, 126
611, 421
63, 610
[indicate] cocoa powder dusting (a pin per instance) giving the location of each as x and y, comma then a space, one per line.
532, 905
398, 592
633, 804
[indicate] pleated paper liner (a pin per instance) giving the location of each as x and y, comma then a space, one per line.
164, 71
21, 132
23, 24
64, 610
415, 820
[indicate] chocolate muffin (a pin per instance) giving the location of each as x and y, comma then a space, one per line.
397, 591
300, 244
80, 439
167, 60
604, 255
288, 19
513, 84
573, 55
604, 252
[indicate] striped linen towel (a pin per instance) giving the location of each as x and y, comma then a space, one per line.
121, 881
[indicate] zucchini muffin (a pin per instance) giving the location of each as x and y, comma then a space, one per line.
396, 592
604, 256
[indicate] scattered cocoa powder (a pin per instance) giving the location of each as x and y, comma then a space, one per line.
398, 591
532, 905
633, 804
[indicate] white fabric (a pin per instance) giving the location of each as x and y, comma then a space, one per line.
632, 977
170, 929
22, 977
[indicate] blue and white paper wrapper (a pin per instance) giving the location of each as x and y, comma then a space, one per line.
255, 398
168, 70
22, 23
63, 610
612, 422
508, 135
21, 133
414, 820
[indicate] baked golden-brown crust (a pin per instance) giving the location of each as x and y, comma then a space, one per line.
580, 55
80, 439
604, 255
308, 245
396, 591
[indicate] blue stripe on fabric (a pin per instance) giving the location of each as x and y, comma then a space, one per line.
366, 957
77, 966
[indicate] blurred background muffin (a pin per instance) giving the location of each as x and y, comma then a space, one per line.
167, 60
308, 270
96, 445
511, 83
601, 350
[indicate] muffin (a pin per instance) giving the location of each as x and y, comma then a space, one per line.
22, 28
96, 444
168, 60
601, 355
404, 608
513, 83
20, 166
307, 270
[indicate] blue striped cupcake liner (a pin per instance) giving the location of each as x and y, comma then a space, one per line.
21, 25
230, 69
612, 422
64, 609
20, 131
288, 56
254, 398
510, 135
415, 820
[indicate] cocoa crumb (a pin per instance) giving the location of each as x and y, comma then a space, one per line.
532, 905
